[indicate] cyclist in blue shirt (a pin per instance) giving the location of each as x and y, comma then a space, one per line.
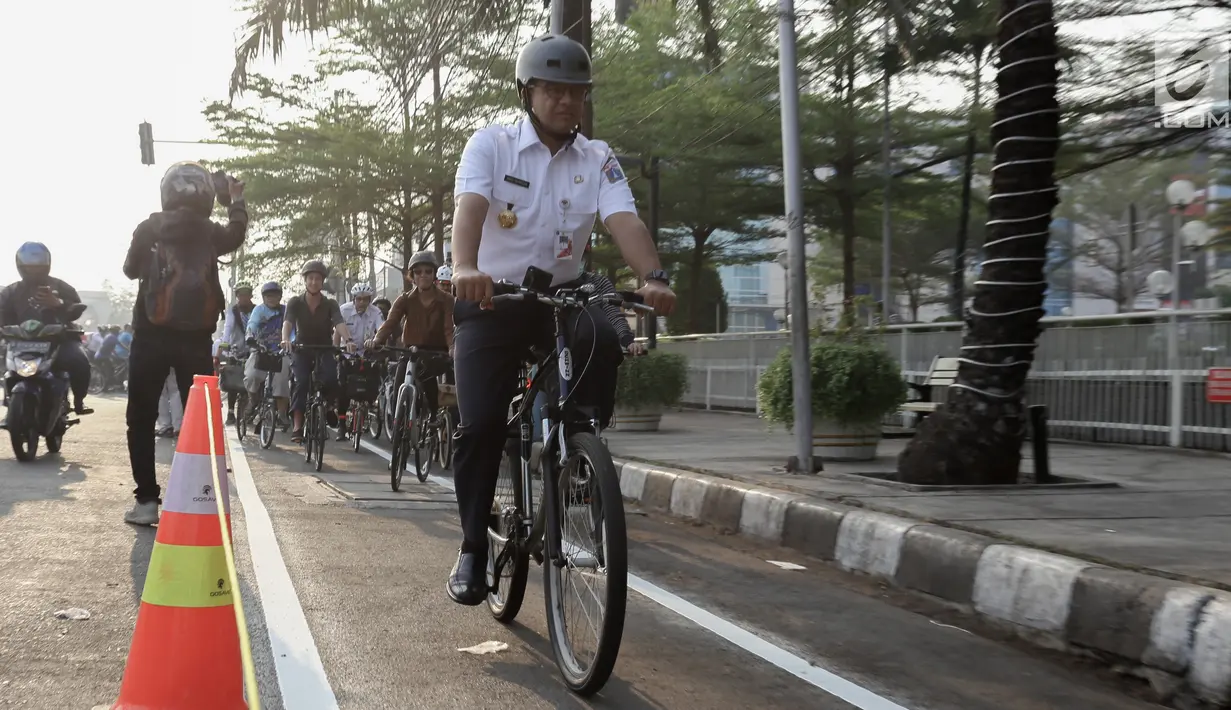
265, 327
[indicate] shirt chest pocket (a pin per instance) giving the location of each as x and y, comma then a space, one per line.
578, 206
508, 199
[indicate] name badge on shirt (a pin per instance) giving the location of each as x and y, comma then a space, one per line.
564, 245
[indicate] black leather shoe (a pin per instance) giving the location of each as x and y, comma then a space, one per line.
468, 580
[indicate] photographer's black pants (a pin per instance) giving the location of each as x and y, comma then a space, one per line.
153, 356
489, 348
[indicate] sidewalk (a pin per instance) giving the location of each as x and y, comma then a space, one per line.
1085, 567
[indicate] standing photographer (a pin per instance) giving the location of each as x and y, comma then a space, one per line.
174, 254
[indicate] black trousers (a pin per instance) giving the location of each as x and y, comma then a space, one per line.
154, 355
71, 358
489, 347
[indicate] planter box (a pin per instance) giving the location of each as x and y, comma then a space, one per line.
645, 419
832, 441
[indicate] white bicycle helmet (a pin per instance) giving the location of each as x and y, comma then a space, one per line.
444, 273
361, 290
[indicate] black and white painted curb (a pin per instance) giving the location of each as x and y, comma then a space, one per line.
1176, 635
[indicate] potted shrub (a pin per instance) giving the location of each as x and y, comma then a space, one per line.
855, 383
647, 385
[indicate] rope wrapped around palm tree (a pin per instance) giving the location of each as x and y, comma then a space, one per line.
976, 437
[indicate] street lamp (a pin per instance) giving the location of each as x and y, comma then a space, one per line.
1180, 194
784, 260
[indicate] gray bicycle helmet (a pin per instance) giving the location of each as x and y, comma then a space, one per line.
315, 266
271, 287
423, 257
554, 58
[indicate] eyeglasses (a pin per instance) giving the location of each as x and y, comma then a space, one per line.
558, 92
423, 272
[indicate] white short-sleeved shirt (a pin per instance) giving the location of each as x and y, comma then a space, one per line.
363, 326
555, 199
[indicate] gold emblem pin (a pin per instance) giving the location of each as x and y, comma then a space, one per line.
507, 219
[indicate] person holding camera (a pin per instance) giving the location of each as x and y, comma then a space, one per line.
174, 256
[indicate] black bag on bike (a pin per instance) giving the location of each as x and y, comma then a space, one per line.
361, 380
268, 362
231, 378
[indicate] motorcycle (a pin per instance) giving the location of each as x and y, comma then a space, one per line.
37, 397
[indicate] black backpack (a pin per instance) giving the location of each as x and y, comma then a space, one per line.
181, 285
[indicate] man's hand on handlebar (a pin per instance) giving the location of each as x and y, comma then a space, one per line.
635, 349
658, 296
470, 284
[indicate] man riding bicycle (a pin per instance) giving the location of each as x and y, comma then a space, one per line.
363, 321
527, 195
265, 328
428, 316
315, 318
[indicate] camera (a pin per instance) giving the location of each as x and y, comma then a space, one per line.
222, 188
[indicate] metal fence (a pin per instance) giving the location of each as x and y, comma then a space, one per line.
1103, 379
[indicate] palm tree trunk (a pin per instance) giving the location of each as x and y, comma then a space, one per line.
976, 437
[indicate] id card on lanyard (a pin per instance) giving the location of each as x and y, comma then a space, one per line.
564, 237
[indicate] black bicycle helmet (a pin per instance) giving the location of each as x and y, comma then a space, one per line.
188, 186
315, 266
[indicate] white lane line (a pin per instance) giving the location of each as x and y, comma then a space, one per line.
797, 666
301, 675
410, 468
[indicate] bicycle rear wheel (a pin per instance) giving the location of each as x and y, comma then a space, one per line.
376, 421
506, 578
594, 543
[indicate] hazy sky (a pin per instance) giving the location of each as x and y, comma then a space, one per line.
80, 75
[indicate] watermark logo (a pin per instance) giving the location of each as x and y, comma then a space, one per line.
1190, 81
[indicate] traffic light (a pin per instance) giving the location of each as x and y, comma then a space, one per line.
146, 131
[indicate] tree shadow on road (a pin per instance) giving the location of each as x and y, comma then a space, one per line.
618, 693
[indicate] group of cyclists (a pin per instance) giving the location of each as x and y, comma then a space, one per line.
281, 344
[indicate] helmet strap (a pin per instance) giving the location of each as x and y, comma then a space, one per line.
566, 139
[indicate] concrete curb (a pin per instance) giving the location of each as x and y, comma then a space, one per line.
1176, 635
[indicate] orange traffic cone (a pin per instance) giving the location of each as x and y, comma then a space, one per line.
185, 651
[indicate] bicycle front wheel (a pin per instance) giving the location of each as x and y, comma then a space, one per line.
320, 436
241, 422
586, 596
445, 449
358, 417
267, 422
309, 432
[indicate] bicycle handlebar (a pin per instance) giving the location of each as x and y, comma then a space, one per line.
572, 298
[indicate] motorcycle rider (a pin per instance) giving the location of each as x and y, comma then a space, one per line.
42, 297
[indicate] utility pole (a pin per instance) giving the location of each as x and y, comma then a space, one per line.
571, 18
886, 224
792, 170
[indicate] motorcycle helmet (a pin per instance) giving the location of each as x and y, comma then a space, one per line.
188, 186
33, 261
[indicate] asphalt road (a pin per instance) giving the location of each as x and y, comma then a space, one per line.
343, 584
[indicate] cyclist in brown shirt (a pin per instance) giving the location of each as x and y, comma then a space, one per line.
425, 314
